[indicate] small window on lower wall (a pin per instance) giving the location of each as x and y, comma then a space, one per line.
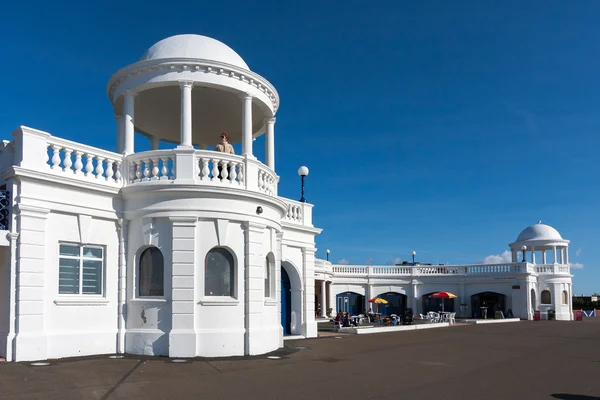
546, 297
151, 275
80, 269
565, 297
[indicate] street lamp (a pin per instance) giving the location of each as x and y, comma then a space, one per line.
327, 251
303, 172
414, 253
523, 248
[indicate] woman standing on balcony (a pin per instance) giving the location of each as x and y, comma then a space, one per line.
224, 146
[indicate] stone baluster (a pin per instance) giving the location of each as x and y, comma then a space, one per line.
55, 156
224, 173
204, 171
233, 173
164, 171
118, 175
78, 163
89, 167
155, 169
67, 163
138, 171
241, 174
110, 170
99, 167
215, 169
146, 169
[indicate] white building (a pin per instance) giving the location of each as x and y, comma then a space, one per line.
190, 252
517, 289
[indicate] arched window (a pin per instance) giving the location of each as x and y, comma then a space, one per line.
219, 273
269, 274
151, 276
546, 297
565, 297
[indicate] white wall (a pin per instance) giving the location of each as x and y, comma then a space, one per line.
5, 289
81, 324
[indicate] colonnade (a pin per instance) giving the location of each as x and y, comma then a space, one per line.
126, 125
560, 255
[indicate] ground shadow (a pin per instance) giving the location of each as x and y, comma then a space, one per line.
565, 396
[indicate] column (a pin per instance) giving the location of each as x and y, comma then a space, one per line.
462, 300
254, 258
415, 295
323, 299
186, 113
120, 133
182, 338
247, 125
308, 300
271, 143
554, 254
560, 255
514, 256
533, 255
543, 256
567, 255
123, 229
129, 121
154, 143
30, 339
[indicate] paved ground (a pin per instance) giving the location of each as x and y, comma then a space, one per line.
523, 360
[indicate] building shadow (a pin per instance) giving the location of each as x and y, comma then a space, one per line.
565, 396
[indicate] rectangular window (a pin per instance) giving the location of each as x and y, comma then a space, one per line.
80, 269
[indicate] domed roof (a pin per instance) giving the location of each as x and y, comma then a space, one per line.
194, 46
539, 231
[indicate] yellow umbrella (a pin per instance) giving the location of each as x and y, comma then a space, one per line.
378, 300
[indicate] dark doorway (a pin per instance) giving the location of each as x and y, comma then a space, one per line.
490, 301
351, 302
286, 302
437, 305
396, 304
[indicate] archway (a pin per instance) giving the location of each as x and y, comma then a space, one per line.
350, 302
291, 299
490, 301
396, 303
435, 305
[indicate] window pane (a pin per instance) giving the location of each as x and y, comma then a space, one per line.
151, 273
267, 278
92, 277
92, 252
69, 250
68, 276
219, 273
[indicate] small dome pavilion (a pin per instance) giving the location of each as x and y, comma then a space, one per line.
540, 238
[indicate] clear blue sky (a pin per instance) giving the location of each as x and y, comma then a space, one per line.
443, 127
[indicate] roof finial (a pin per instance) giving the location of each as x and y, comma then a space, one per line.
540, 221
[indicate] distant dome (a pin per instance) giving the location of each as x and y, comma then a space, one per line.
194, 46
539, 231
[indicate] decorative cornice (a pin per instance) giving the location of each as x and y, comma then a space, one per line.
196, 66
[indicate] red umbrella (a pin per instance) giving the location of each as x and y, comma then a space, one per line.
442, 295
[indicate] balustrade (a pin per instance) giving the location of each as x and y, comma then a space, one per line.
156, 165
70, 158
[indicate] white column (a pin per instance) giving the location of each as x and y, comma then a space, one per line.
533, 255
120, 133
247, 125
128, 113
543, 256
271, 143
554, 253
154, 143
567, 255
515, 256
186, 113
323, 298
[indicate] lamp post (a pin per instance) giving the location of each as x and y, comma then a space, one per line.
327, 251
414, 253
523, 248
303, 172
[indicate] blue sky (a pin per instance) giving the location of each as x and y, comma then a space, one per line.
440, 127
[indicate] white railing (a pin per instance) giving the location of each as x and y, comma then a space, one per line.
294, 212
552, 269
298, 213
441, 270
158, 165
323, 266
84, 162
220, 168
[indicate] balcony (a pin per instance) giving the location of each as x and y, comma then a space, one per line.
363, 271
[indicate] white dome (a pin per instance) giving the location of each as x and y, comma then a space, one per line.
194, 46
539, 231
